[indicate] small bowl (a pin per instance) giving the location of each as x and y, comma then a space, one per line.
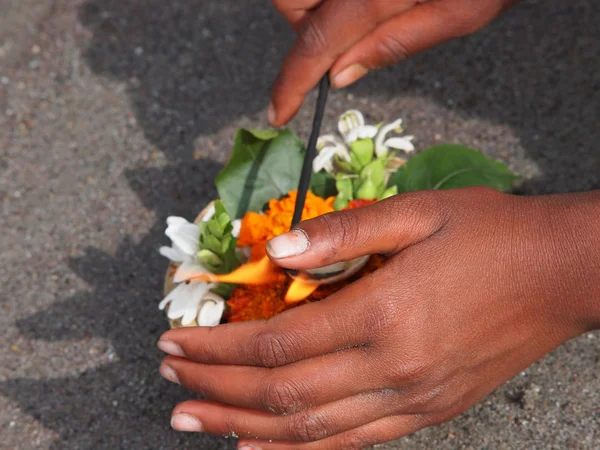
329, 274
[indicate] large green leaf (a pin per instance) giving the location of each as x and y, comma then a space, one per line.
263, 165
323, 184
452, 166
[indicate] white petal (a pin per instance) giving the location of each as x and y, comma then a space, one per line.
323, 157
237, 226
401, 143
184, 301
172, 295
209, 213
185, 235
211, 310
174, 220
329, 140
174, 253
189, 269
325, 141
364, 132
350, 120
380, 148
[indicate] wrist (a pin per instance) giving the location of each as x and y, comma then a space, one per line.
570, 240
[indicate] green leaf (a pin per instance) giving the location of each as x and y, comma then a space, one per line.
263, 165
263, 135
363, 149
323, 184
452, 166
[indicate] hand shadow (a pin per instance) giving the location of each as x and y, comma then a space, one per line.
124, 403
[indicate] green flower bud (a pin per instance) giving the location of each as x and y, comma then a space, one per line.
344, 187
364, 150
340, 203
374, 172
209, 259
367, 191
389, 192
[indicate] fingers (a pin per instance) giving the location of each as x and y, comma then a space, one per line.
341, 321
422, 27
325, 34
384, 227
285, 390
307, 426
296, 11
376, 432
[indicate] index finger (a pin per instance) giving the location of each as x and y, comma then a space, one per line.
343, 320
325, 34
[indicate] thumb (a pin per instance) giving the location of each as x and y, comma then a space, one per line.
384, 227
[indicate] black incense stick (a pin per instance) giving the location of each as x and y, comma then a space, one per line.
311, 150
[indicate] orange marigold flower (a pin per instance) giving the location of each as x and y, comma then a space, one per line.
258, 228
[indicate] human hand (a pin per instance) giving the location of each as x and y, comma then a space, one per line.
478, 286
353, 37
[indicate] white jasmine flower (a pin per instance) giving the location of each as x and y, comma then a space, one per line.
191, 300
352, 127
364, 132
185, 237
382, 145
328, 147
194, 301
350, 120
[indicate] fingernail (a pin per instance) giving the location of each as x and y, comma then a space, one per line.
185, 422
248, 447
289, 244
349, 75
271, 114
168, 373
170, 347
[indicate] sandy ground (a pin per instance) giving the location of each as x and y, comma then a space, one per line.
117, 113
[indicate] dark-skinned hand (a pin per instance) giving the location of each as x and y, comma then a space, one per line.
478, 286
353, 37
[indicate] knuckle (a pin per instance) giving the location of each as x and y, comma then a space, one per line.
308, 427
343, 231
312, 41
272, 349
391, 49
281, 396
412, 370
